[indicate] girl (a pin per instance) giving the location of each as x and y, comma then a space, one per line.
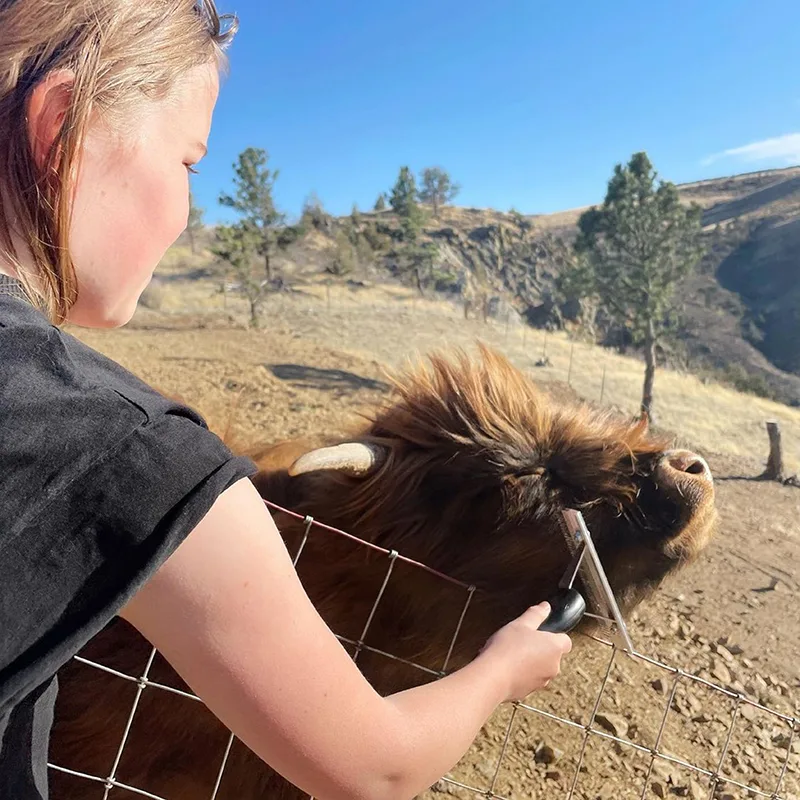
116, 501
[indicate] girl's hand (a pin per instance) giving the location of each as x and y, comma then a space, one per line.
530, 657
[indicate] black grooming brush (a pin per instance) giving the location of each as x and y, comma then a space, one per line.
568, 605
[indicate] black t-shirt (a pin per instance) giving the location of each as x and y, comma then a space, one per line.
101, 478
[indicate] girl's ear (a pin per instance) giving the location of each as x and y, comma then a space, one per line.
47, 109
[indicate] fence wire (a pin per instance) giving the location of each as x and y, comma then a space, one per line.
717, 778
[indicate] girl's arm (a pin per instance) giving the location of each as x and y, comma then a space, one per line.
228, 611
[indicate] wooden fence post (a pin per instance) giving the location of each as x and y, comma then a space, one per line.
603, 384
774, 470
569, 370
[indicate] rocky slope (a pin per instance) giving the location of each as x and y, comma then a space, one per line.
740, 313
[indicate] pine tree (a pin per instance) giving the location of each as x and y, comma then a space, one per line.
253, 199
404, 203
237, 246
355, 219
437, 188
314, 214
633, 251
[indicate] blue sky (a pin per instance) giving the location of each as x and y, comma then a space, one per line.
528, 103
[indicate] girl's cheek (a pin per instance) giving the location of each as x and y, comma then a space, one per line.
176, 217
165, 208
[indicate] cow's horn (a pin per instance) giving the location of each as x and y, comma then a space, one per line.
357, 459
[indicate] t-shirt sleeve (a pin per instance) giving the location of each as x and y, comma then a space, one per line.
84, 554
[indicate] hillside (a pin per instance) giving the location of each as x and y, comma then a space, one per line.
752, 287
739, 314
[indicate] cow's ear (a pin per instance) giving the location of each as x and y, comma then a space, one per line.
356, 459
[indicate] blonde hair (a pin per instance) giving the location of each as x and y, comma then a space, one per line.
119, 51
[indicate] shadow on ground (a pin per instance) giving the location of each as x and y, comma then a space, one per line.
328, 380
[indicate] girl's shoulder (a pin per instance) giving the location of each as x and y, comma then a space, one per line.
43, 369
101, 478
65, 408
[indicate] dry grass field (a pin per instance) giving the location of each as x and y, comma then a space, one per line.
733, 617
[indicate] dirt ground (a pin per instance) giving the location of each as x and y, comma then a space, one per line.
733, 618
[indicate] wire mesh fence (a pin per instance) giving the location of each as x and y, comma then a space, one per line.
674, 723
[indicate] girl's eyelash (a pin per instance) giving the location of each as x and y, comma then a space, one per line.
192, 170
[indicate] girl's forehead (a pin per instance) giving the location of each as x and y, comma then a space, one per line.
196, 90
189, 105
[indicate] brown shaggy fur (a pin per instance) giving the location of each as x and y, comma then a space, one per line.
479, 465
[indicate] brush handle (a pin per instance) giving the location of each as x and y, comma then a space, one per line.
567, 608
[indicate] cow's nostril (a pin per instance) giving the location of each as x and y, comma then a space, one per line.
695, 468
688, 463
